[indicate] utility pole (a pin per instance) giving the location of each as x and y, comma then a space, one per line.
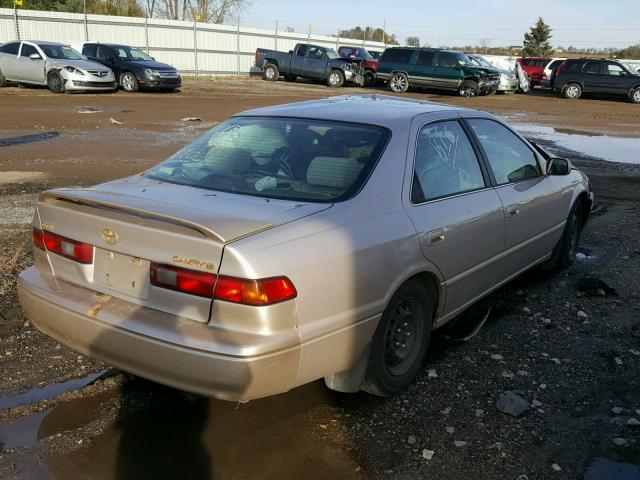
15, 16
86, 27
384, 33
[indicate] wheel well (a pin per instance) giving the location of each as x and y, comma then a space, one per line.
430, 282
269, 61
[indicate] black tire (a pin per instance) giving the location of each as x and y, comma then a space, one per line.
335, 79
564, 253
3, 79
572, 91
270, 72
290, 78
398, 83
55, 83
634, 96
129, 82
369, 78
393, 366
469, 88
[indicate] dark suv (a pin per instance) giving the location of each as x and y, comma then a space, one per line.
587, 75
426, 67
132, 67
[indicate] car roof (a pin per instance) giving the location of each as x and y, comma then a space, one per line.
383, 110
43, 42
114, 45
426, 49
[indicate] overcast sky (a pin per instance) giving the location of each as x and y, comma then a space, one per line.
581, 23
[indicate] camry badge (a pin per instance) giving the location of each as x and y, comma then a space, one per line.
109, 236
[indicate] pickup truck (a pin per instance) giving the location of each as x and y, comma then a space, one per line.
309, 61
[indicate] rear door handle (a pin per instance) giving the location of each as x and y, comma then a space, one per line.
513, 210
435, 236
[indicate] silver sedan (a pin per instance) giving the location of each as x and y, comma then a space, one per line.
323, 239
55, 65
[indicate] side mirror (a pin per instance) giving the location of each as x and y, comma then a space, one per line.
35, 56
558, 166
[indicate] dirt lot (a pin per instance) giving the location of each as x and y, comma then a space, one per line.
575, 357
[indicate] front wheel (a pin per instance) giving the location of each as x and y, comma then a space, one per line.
572, 91
270, 73
635, 95
369, 78
129, 82
55, 83
335, 78
469, 88
399, 83
400, 343
564, 253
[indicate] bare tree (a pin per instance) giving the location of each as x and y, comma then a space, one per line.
413, 41
209, 11
151, 8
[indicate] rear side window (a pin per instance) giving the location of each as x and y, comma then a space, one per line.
511, 160
445, 163
89, 50
592, 67
397, 55
425, 59
293, 159
103, 53
27, 50
573, 67
11, 48
302, 50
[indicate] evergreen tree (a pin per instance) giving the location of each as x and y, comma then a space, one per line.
536, 42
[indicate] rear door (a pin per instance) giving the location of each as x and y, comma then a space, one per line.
458, 215
535, 205
31, 70
422, 72
9, 60
315, 62
297, 60
592, 76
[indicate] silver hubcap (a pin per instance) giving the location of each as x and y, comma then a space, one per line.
468, 92
270, 73
128, 82
334, 79
398, 83
572, 91
636, 95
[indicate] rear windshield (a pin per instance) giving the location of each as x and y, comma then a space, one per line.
287, 158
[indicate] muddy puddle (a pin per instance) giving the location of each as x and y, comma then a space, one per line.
159, 432
605, 469
592, 144
9, 141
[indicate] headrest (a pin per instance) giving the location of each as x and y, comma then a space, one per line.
335, 172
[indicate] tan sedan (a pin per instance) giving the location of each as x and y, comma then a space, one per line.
319, 239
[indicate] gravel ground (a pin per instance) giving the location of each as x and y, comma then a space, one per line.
572, 360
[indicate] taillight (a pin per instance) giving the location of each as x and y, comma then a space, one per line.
65, 247
182, 279
265, 291
261, 292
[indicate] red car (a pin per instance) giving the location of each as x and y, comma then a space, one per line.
534, 67
369, 64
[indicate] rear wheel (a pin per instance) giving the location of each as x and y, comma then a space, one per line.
400, 343
335, 78
572, 91
3, 79
369, 78
270, 73
55, 83
635, 95
129, 82
399, 83
469, 88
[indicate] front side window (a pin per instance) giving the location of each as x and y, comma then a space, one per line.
11, 48
315, 53
129, 54
294, 159
615, 70
28, 50
510, 159
445, 163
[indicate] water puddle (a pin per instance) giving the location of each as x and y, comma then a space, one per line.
606, 147
23, 432
36, 395
605, 469
22, 139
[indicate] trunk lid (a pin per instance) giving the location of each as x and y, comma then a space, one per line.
136, 220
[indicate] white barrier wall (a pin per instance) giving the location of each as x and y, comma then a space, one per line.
193, 48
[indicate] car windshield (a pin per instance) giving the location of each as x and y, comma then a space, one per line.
61, 52
481, 62
331, 54
130, 54
293, 159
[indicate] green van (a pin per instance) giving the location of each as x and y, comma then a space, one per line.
401, 67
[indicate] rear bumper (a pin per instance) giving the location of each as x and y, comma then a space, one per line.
165, 348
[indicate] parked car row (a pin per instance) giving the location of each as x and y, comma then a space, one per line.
399, 68
99, 67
